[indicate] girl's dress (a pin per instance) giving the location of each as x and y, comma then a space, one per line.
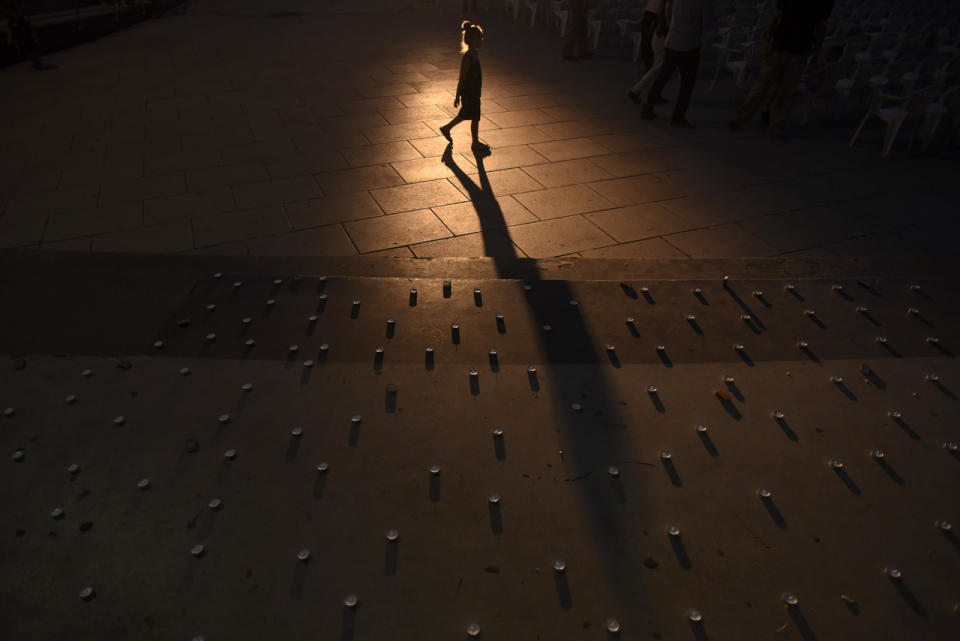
470, 87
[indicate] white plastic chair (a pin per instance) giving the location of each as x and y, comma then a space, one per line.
893, 115
933, 113
532, 7
593, 33
623, 26
735, 59
637, 38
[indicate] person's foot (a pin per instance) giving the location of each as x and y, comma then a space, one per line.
480, 146
445, 131
635, 97
683, 124
647, 114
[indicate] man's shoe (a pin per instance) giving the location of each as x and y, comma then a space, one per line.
446, 134
635, 97
683, 124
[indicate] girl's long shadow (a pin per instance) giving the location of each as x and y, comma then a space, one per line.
493, 228
579, 346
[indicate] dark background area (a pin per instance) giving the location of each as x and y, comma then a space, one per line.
59, 24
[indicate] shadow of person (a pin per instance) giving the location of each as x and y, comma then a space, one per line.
572, 364
493, 227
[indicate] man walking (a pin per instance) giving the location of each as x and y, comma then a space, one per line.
797, 27
688, 20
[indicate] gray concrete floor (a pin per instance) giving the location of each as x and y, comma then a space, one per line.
827, 536
311, 129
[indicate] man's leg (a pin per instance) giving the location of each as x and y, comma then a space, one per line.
571, 39
647, 25
671, 59
786, 87
641, 86
581, 27
689, 65
760, 92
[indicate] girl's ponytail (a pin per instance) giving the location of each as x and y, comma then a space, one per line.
470, 33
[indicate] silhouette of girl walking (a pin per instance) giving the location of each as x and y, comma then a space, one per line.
468, 87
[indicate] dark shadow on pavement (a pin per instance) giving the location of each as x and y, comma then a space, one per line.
563, 590
671, 471
801, 622
737, 394
846, 391
657, 403
496, 518
390, 558
319, 483
499, 448
569, 344
892, 473
299, 578
853, 487
348, 625
293, 447
699, 632
902, 424
950, 536
708, 444
787, 429
946, 390
680, 550
730, 408
910, 598
810, 354
774, 513
390, 401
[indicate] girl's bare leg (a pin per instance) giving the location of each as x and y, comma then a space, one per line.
445, 130
475, 131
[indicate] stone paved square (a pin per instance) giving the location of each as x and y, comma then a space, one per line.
281, 361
